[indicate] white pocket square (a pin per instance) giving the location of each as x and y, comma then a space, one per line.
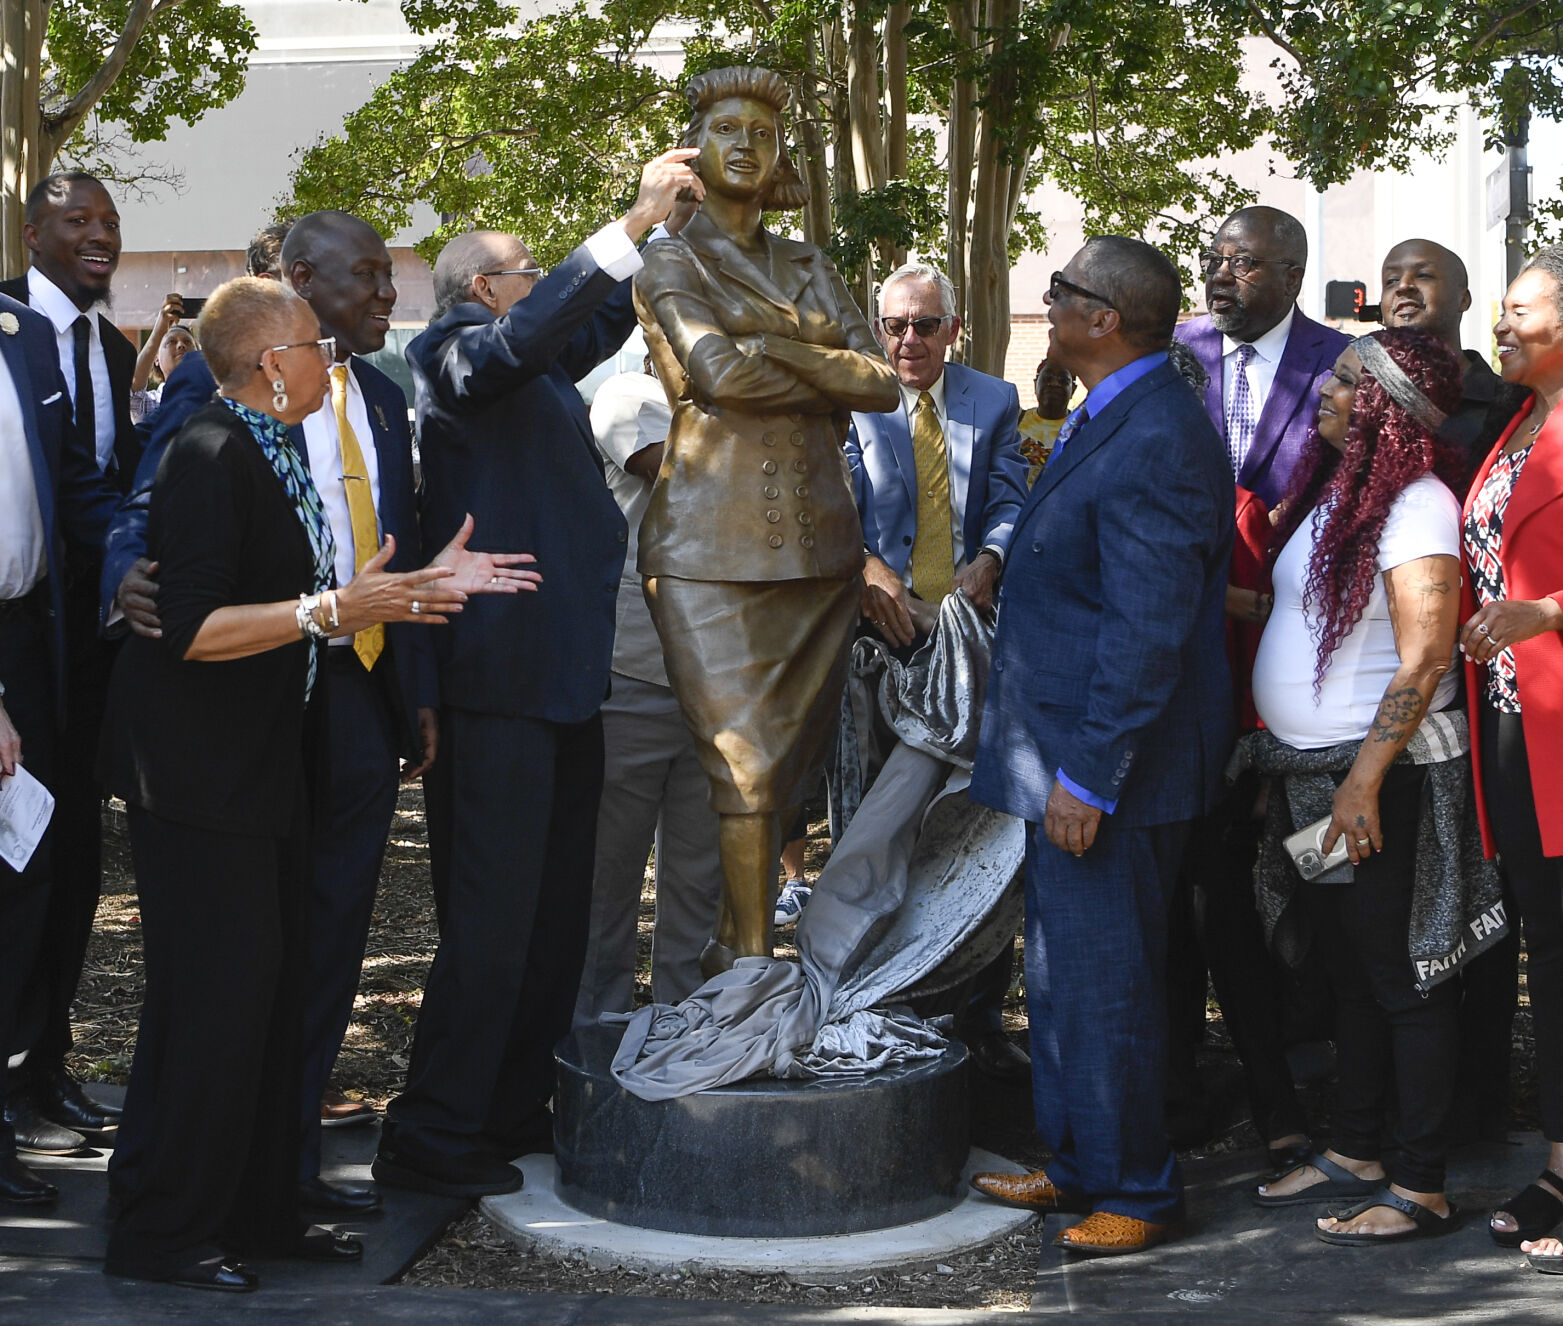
51, 399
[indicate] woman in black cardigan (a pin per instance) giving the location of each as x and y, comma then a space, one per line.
211, 738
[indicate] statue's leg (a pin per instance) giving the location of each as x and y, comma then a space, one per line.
749, 872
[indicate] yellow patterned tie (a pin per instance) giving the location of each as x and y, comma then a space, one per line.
367, 644
933, 556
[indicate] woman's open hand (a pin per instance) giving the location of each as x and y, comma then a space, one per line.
1504, 622
377, 595
484, 572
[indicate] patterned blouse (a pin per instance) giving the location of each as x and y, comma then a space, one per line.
1483, 549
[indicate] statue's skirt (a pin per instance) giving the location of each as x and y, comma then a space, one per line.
758, 668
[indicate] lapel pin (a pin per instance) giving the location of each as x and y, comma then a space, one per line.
8, 324
379, 413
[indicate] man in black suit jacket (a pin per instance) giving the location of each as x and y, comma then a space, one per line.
72, 230
50, 485
512, 803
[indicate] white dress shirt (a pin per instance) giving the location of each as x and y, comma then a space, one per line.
325, 466
21, 523
1262, 368
614, 251
56, 305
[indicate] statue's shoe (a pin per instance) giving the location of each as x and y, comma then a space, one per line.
1107, 1234
1032, 1192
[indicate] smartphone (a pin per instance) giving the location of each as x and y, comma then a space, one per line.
193, 304
1306, 847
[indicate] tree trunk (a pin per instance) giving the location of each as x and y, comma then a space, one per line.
25, 152
995, 196
895, 102
961, 143
815, 166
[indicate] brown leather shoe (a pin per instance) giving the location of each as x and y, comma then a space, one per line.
339, 1111
1031, 1192
1106, 1234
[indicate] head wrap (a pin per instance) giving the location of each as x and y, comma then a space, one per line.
1404, 392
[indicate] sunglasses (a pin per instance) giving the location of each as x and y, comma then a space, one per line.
1058, 283
924, 327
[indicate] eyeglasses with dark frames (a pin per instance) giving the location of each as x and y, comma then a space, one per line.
1242, 264
1058, 283
517, 271
924, 327
326, 345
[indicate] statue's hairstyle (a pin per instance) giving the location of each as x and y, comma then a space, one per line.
788, 191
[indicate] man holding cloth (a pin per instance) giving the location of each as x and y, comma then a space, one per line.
1107, 723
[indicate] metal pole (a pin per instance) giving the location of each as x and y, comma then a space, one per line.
1517, 140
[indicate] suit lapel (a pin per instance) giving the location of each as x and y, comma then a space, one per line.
1205, 341
1294, 377
704, 237
43, 471
960, 441
1541, 481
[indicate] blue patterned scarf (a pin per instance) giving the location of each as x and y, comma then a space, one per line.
291, 468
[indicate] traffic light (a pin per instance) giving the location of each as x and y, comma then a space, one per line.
1345, 299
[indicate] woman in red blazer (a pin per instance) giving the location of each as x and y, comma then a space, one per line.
1513, 644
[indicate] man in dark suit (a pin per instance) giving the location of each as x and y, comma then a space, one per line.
71, 229
961, 462
382, 694
513, 801
1107, 724
50, 487
1264, 356
1425, 286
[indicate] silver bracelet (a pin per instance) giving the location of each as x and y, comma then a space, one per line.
304, 614
329, 599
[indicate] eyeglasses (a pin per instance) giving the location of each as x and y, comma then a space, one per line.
517, 271
1058, 283
924, 327
1242, 264
326, 345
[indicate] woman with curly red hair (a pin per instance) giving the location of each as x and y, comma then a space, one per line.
1354, 683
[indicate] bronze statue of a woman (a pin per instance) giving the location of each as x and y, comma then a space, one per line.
751, 546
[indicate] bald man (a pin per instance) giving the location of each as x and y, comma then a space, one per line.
1263, 355
1424, 285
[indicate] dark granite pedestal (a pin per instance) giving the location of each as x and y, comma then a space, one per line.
764, 1158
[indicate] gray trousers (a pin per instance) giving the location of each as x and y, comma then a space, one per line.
654, 794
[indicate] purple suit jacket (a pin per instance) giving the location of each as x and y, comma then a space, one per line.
1289, 412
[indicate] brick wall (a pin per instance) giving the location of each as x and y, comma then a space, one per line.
1027, 347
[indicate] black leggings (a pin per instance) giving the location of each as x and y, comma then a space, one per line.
1393, 1046
1534, 883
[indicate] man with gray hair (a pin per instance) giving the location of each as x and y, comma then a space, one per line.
938, 483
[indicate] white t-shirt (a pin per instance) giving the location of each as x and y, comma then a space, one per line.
630, 413
1424, 521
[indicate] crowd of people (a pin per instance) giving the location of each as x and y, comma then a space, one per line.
1278, 656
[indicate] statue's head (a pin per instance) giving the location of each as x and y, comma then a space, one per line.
736, 121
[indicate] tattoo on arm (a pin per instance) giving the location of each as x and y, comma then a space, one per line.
1430, 593
1398, 714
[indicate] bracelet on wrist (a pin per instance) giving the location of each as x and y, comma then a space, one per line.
304, 614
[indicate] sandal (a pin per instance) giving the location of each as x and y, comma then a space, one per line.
1429, 1224
1535, 1210
1548, 1263
1340, 1184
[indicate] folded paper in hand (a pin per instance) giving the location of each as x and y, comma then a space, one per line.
25, 808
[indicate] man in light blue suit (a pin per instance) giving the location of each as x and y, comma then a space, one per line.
1107, 722
974, 426
961, 462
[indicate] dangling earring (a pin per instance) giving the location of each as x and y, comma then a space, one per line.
279, 402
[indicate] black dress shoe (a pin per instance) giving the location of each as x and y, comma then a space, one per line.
223, 1274
19, 1186
321, 1245
472, 1175
337, 1199
996, 1056
36, 1134
61, 1100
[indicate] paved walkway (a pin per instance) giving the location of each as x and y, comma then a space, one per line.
1235, 1264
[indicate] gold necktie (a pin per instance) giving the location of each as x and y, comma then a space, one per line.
367, 644
933, 556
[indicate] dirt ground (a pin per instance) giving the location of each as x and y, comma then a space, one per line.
472, 1253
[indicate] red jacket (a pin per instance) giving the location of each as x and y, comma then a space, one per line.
1248, 572
1532, 559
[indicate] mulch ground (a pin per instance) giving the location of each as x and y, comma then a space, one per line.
472, 1253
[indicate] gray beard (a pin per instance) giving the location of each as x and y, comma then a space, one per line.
1225, 322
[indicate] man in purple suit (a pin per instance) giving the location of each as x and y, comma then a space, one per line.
1265, 357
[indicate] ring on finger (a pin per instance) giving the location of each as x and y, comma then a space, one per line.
1364, 842
416, 606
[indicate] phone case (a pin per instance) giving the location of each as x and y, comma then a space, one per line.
1306, 847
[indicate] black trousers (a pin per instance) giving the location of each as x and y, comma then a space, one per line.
1214, 926
1535, 885
77, 880
512, 806
214, 1085
24, 898
1394, 1047
345, 871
